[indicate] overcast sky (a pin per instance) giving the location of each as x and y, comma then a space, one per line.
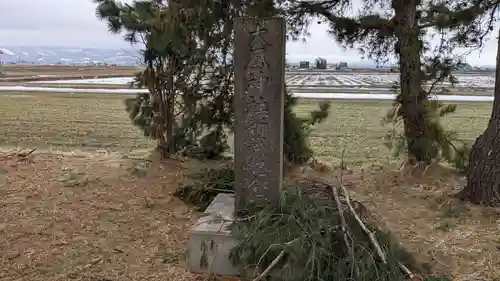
73, 23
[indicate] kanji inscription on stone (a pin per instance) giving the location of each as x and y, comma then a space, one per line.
259, 102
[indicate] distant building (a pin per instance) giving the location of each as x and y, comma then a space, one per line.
304, 64
342, 65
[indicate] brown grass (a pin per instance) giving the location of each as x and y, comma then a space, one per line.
91, 217
65, 215
99, 121
446, 235
84, 121
23, 73
72, 86
62, 70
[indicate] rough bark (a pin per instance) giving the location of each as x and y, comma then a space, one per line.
161, 143
413, 97
154, 86
483, 173
169, 107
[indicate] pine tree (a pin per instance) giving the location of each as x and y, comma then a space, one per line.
321, 63
400, 29
189, 73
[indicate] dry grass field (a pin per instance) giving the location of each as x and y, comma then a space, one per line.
91, 217
72, 86
87, 205
14, 70
93, 121
67, 122
24, 73
356, 125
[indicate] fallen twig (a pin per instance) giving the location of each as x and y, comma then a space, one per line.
369, 233
275, 261
406, 270
270, 267
7, 192
343, 222
24, 155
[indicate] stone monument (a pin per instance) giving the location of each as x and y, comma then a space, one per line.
259, 57
259, 60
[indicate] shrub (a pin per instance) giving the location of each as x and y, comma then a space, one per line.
440, 143
205, 186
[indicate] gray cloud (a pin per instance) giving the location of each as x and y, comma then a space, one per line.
320, 44
73, 23
54, 22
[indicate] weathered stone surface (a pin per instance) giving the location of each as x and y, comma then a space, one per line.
259, 103
210, 240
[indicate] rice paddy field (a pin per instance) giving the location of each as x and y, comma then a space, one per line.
96, 121
92, 203
341, 85
42, 72
322, 79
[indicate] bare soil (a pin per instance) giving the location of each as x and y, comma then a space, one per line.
91, 217
100, 216
19, 73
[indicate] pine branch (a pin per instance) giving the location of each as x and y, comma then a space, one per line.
275, 260
343, 223
365, 23
370, 234
459, 17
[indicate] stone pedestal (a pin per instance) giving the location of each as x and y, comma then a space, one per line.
210, 240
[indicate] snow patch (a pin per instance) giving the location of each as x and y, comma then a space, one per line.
300, 95
6, 51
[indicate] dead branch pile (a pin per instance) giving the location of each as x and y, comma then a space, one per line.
318, 233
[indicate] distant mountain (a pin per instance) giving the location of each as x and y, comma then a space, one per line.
68, 56
89, 56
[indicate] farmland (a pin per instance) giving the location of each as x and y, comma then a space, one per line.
375, 79
89, 122
82, 207
294, 79
306, 84
51, 71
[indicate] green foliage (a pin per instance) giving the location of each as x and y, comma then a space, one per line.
140, 111
189, 74
308, 230
205, 186
188, 71
441, 144
214, 143
297, 130
379, 33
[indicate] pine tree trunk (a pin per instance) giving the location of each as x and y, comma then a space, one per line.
413, 109
169, 107
483, 173
161, 143
158, 105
